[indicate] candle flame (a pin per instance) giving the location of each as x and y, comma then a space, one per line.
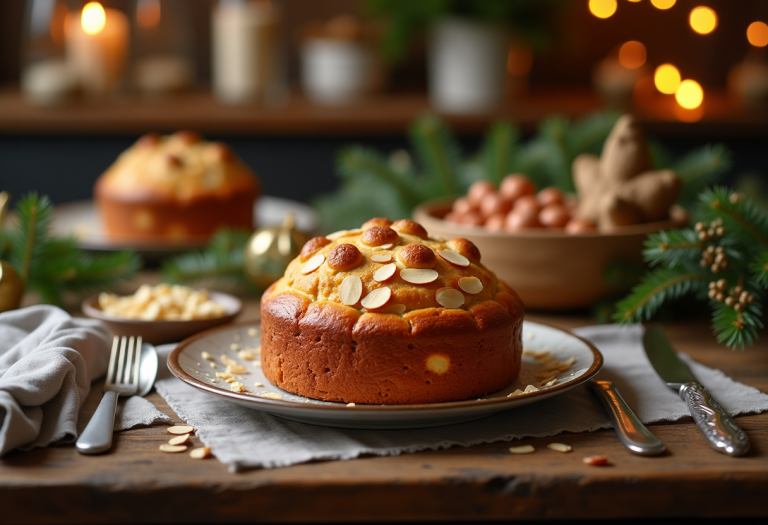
93, 18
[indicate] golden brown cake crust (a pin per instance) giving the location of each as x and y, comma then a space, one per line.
412, 349
175, 188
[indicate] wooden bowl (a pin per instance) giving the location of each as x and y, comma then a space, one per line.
161, 332
549, 269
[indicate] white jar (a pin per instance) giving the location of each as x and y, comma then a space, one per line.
337, 71
467, 65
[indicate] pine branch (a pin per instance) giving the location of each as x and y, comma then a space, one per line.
27, 241
672, 247
221, 264
736, 329
358, 162
701, 167
657, 287
744, 222
438, 152
498, 150
759, 268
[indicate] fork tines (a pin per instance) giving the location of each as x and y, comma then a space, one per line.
124, 361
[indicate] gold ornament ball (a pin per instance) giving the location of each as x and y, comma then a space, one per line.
11, 288
270, 250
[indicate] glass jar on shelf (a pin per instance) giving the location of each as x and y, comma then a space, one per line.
247, 61
162, 47
46, 77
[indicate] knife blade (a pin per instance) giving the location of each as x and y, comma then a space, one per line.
631, 431
722, 433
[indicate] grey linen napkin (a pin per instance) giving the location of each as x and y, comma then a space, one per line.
48, 361
242, 438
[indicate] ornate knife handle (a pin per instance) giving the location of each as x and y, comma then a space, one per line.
722, 433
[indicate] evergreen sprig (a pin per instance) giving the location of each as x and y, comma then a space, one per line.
724, 258
53, 266
221, 265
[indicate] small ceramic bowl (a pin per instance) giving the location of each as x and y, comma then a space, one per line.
161, 332
549, 269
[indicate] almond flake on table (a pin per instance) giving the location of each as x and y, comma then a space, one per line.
173, 449
530, 388
560, 447
237, 387
207, 356
515, 393
200, 453
223, 375
234, 347
350, 404
180, 429
179, 440
522, 449
257, 384
247, 355
253, 332
596, 461
271, 395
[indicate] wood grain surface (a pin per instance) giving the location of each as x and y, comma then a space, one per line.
137, 483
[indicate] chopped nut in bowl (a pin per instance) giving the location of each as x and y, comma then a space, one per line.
163, 313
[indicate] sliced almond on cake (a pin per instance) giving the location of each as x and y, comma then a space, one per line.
377, 298
471, 285
313, 263
419, 275
454, 258
382, 258
385, 272
449, 297
351, 290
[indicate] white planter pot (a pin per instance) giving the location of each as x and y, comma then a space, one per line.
467, 66
337, 72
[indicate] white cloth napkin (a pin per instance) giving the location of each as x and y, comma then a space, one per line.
48, 361
242, 438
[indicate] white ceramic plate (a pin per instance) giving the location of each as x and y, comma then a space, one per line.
81, 219
186, 363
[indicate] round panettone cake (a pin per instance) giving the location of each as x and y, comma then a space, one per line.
388, 315
178, 188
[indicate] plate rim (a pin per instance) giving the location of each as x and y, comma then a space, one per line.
175, 367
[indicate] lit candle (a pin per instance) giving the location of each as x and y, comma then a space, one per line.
245, 50
97, 47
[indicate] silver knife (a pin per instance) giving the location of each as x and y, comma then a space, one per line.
722, 433
632, 433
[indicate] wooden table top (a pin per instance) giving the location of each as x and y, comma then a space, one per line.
137, 483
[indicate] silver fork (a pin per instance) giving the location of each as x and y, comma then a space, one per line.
122, 379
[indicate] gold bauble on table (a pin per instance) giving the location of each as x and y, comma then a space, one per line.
11, 287
271, 249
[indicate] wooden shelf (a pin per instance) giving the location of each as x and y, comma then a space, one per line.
389, 114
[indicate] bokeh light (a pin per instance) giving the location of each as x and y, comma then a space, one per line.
634, 1
602, 8
689, 94
519, 60
757, 34
667, 79
663, 4
632, 54
148, 13
703, 20
93, 18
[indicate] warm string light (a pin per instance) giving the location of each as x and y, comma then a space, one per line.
93, 18
703, 20
667, 79
689, 94
663, 4
757, 34
632, 54
602, 8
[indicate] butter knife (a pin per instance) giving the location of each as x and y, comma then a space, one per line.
631, 431
722, 433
